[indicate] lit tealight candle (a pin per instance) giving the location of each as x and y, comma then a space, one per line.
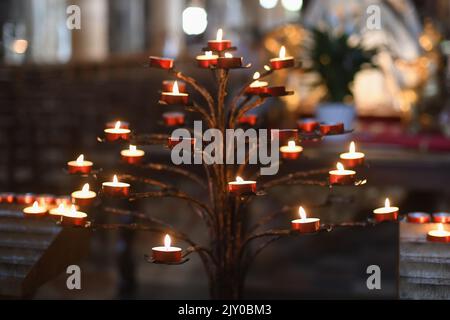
167, 253
73, 217
304, 224
132, 155
160, 62
167, 85
207, 60
257, 85
115, 188
229, 62
219, 44
439, 235
36, 210
83, 197
175, 96
386, 213
341, 175
240, 186
282, 61
352, 158
117, 133
79, 166
291, 151
57, 212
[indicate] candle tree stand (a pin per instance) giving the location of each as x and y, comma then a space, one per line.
233, 242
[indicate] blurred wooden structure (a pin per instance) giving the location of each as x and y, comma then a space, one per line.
33, 252
424, 266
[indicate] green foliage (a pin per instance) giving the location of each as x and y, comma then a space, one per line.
337, 62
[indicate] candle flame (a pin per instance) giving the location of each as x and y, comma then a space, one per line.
219, 35
340, 166
85, 188
352, 147
228, 55
175, 88
73, 209
387, 203
35, 205
282, 52
167, 242
239, 179
132, 148
266, 67
208, 53
61, 207
440, 227
302, 213
291, 144
117, 125
115, 180
80, 159
256, 75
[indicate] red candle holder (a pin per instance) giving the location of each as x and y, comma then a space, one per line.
441, 217
7, 197
352, 158
229, 62
304, 224
167, 86
307, 125
175, 98
386, 213
282, 61
80, 166
160, 62
257, 86
25, 198
74, 218
241, 186
439, 235
277, 91
172, 119
116, 188
418, 217
341, 176
331, 128
83, 197
172, 142
132, 155
207, 60
117, 133
291, 151
249, 119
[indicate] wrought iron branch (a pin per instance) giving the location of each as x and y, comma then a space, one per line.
173, 169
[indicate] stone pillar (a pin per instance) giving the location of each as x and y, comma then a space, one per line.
90, 43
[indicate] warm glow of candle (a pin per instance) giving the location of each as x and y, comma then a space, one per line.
115, 180
219, 35
352, 147
282, 53
85, 188
35, 205
256, 75
132, 148
36, 208
340, 167
228, 55
439, 234
267, 68
291, 144
167, 242
302, 213
239, 179
175, 90
117, 125
208, 54
257, 83
387, 203
80, 160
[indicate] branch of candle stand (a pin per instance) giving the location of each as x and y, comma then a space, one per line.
148, 181
164, 230
148, 139
241, 93
199, 88
292, 177
172, 169
238, 113
267, 218
194, 249
196, 108
173, 194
